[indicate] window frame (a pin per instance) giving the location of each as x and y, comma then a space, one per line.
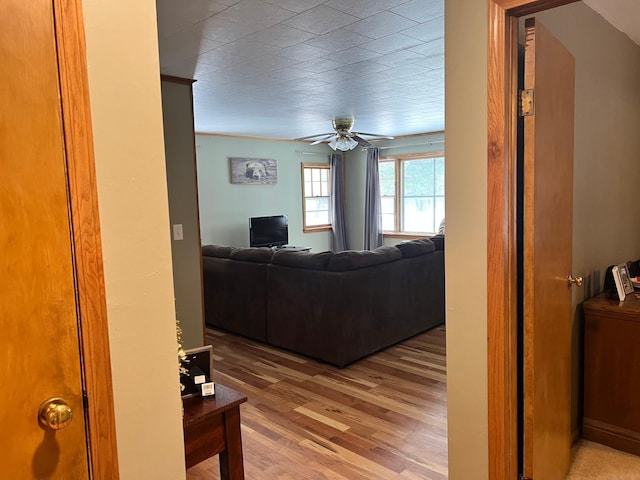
320, 166
398, 160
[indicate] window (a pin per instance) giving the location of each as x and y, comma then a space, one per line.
412, 193
315, 196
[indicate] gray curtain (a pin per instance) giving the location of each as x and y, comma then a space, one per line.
372, 207
336, 204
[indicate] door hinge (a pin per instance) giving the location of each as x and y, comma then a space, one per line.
527, 104
85, 401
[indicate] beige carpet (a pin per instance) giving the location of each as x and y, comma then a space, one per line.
593, 461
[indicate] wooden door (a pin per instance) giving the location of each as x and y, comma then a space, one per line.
40, 334
547, 251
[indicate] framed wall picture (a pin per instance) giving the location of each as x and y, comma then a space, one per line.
197, 365
253, 171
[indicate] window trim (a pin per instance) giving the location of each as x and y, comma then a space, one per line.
323, 166
397, 160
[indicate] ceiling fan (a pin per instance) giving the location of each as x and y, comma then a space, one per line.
343, 138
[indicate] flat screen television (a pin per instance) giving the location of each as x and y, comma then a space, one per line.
272, 231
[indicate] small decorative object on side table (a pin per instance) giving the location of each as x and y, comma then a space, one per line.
181, 354
195, 372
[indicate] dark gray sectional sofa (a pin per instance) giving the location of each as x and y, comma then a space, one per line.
333, 307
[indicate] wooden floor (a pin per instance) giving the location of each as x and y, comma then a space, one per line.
383, 417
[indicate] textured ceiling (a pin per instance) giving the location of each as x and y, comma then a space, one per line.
285, 68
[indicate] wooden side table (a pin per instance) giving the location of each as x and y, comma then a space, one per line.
211, 427
612, 372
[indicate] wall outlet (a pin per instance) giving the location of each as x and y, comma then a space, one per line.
177, 232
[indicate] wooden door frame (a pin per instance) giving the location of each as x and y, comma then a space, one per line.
87, 248
502, 67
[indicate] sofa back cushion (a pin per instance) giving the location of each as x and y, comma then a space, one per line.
306, 260
438, 241
252, 254
218, 251
413, 248
235, 296
355, 259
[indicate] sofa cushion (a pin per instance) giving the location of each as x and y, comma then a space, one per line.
438, 241
307, 260
219, 251
413, 248
355, 259
252, 254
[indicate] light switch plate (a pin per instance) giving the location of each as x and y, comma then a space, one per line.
177, 232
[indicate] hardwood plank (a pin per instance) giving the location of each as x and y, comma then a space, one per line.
383, 417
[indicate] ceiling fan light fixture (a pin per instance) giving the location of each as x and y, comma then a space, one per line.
342, 138
343, 143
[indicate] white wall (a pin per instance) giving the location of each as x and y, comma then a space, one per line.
466, 253
125, 97
124, 81
225, 208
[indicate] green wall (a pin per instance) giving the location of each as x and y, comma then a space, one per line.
177, 112
225, 208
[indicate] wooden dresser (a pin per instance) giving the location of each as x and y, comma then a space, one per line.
612, 372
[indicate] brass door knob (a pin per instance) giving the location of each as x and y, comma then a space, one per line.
55, 414
576, 280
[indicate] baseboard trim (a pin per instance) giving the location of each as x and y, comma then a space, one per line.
617, 437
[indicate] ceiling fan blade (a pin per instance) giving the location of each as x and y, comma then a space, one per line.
325, 135
326, 139
323, 139
361, 141
343, 127
385, 137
